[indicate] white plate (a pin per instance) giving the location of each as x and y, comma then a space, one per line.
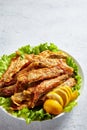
80, 72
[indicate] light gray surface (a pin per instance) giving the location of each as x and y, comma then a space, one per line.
63, 22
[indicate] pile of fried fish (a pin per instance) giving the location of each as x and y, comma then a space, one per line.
29, 78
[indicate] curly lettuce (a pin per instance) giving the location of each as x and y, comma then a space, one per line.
78, 78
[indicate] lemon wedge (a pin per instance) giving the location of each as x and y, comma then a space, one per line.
55, 96
75, 94
63, 94
52, 106
68, 90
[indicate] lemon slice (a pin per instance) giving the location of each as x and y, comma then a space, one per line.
55, 96
75, 94
68, 90
52, 106
63, 94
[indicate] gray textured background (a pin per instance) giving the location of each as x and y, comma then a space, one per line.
63, 22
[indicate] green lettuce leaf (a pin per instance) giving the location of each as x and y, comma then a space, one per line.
78, 78
45, 46
4, 62
70, 106
32, 115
